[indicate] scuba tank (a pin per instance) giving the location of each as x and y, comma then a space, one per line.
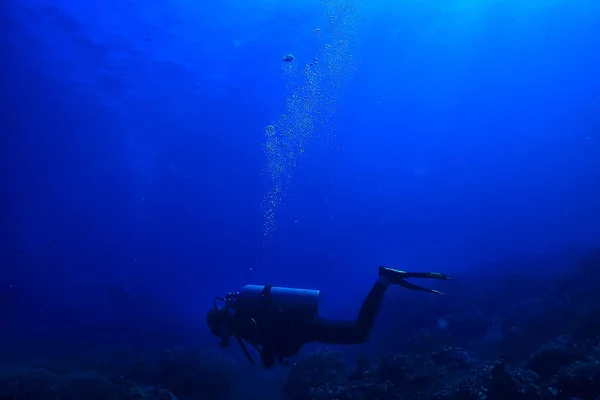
301, 301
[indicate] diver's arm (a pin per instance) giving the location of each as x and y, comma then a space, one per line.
267, 357
277, 331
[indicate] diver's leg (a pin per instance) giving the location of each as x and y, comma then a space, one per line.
329, 331
350, 332
370, 307
388, 276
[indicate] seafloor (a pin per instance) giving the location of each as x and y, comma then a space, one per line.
502, 337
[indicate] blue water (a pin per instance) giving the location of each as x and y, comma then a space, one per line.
136, 161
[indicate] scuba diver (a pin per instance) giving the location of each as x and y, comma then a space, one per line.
278, 321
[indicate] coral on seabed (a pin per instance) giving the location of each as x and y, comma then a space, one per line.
39, 384
563, 369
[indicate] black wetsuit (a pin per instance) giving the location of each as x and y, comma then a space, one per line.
281, 333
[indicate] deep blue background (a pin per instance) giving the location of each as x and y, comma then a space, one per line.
132, 157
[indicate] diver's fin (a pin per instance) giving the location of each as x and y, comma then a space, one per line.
398, 277
392, 273
429, 275
412, 286
396, 273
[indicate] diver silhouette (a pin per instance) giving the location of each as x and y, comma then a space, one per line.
278, 321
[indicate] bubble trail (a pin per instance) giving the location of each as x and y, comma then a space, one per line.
311, 105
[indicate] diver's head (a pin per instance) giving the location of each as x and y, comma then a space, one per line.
217, 319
